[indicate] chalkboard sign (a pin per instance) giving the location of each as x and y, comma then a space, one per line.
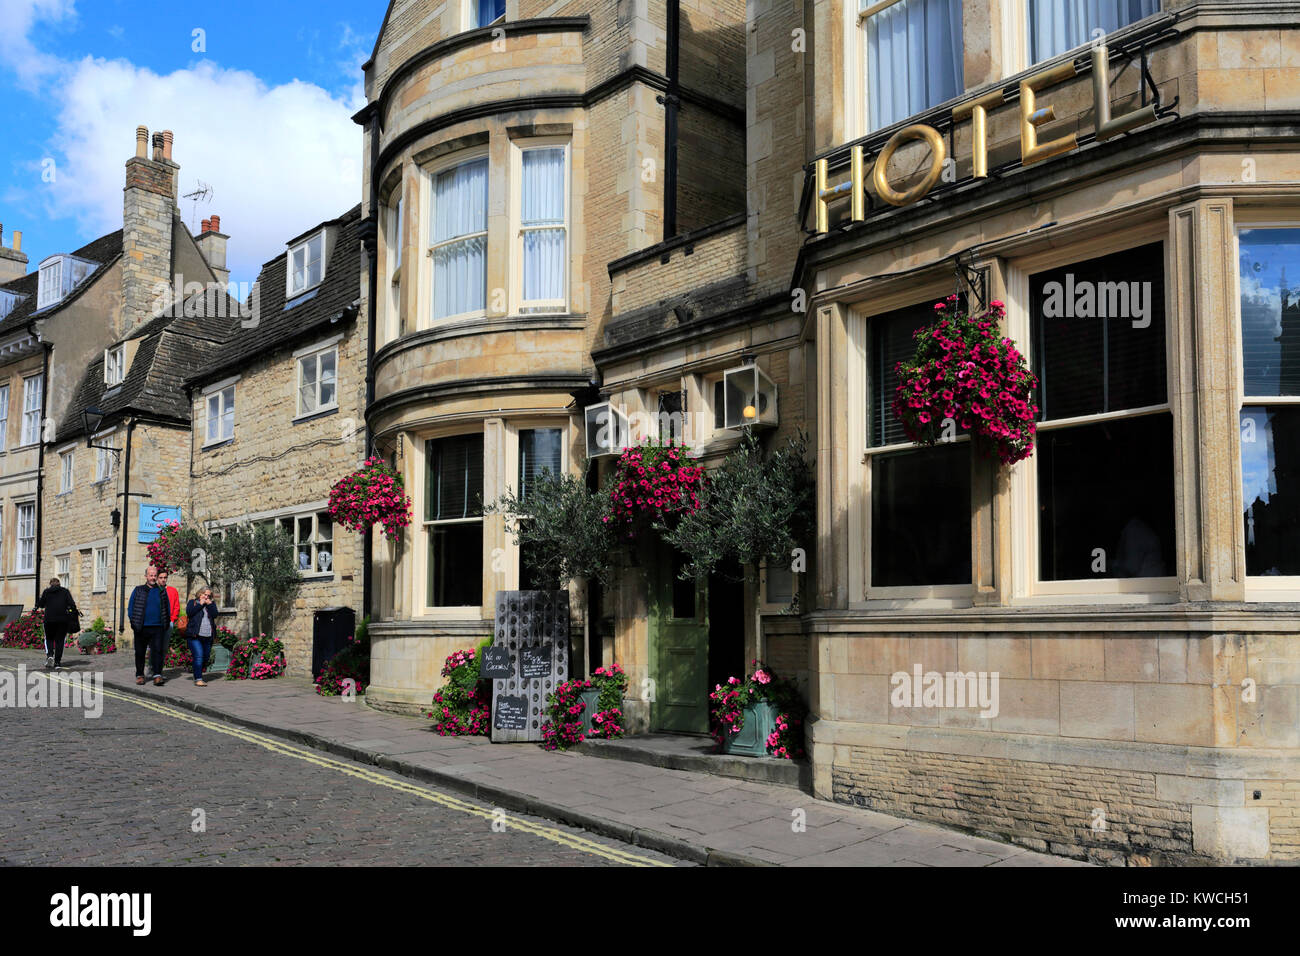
510, 713
532, 628
496, 663
535, 661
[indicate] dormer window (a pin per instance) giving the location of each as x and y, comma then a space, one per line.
59, 276
114, 365
306, 264
9, 301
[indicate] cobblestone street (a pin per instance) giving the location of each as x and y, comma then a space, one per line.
126, 788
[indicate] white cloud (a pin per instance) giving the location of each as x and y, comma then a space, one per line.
279, 159
21, 19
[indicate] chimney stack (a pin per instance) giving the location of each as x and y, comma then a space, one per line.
213, 246
149, 208
13, 262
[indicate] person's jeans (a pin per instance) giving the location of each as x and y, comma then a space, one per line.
155, 639
55, 636
199, 654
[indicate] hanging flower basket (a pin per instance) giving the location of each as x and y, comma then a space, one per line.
372, 495
652, 483
167, 551
964, 377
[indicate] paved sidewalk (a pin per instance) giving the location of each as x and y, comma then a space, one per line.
690, 815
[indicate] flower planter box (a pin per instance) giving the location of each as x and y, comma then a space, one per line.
760, 721
592, 699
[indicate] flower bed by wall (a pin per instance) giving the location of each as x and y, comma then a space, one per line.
257, 658
26, 632
463, 707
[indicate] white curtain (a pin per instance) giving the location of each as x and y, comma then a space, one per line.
542, 220
1059, 25
914, 58
459, 267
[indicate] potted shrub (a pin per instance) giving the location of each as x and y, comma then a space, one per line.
463, 706
97, 639
759, 716
224, 643
578, 709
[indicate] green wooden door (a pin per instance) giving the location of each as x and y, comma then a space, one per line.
679, 623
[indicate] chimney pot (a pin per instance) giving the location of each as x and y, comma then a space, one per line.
2, 234
157, 146
207, 226
18, 241
216, 223
141, 141
167, 144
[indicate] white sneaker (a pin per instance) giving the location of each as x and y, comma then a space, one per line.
49, 660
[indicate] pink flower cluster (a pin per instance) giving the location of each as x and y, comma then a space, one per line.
964, 373
372, 495
730, 700
461, 708
161, 550
258, 658
653, 481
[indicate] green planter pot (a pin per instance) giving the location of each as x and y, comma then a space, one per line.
760, 721
220, 659
592, 699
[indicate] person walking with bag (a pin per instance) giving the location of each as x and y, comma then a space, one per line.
149, 613
201, 618
61, 618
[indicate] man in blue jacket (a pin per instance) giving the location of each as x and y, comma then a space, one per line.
149, 612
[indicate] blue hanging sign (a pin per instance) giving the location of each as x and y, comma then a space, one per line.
152, 516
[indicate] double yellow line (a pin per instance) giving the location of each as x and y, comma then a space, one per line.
570, 840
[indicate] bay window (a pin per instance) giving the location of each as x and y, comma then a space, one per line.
453, 521
458, 240
910, 57
541, 452
1055, 26
1104, 459
541, 250
1270, 410
920, 497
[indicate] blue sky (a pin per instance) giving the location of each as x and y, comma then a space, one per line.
260, 102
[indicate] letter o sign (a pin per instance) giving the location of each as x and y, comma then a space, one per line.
879, 174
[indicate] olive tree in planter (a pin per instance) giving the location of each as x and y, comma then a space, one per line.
752, 508
258, 556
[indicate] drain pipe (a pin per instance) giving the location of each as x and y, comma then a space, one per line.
126, 527
671, 102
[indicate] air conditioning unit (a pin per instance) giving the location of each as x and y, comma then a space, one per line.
607, 430
749, 398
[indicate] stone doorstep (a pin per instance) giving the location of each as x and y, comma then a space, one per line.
687, 752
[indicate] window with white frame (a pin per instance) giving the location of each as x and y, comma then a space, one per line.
541, 252
910, 57
65, 472
1105, 454
453, 521
318, 381
482, 13
920, 497
58, 276
33, 389
114, 365
101, 570
4, 417
458, 239
313, 543
1270, 404
26, 559
105, 458
393, 244
1055, 26
220, 416
63, 569
306, 265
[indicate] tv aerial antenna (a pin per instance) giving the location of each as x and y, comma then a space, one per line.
203, 193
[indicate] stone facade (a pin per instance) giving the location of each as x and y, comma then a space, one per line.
281, 466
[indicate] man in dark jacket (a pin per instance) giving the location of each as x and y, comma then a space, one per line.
60, 618
150, 615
